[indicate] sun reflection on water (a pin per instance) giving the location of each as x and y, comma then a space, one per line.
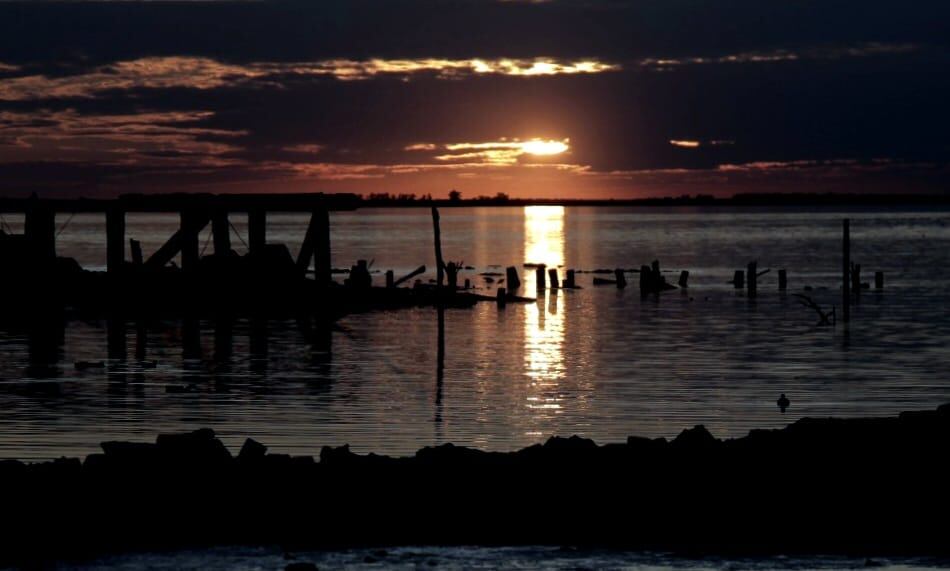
544, 321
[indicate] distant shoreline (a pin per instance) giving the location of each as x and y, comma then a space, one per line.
305, 202
739, 200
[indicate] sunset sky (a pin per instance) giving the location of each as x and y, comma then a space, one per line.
558, 98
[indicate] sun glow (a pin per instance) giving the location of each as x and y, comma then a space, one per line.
544, 148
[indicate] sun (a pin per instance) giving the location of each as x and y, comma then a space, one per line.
542, 147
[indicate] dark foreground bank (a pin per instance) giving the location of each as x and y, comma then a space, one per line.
860, 487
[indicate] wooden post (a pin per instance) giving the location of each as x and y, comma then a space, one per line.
684, 279
452, 276
257, 230
190, 227
846, 270
856, 278
221, 232
552, 276
468, 284
738, 279
752, 275
514, 282
135, 247
501, 297
115, 239
645, 279
322, 256
569, 280
621, 278
390, 279
539, 277
878, 280
782, 280
39, 225
437, 232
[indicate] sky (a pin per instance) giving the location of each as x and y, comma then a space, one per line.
557, 98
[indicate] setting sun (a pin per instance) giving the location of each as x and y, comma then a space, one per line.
541, 147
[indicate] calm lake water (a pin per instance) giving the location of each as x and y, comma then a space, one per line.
597, 361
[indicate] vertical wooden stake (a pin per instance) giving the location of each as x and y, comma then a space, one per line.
115, 239
322, 266
752, 278
684, 279
512, 278
552, 276
539, 277
502, 297
846, 270
390, 279
257, 230
221, 233
439, 266
621, 278
738, 279
782, 280
878, 280
569, 280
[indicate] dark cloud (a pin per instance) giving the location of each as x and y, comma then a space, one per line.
369, 95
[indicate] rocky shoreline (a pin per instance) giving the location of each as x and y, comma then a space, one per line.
875, 486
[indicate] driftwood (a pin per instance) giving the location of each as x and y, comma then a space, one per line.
828, 318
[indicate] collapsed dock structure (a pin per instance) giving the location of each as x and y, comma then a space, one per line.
269, 279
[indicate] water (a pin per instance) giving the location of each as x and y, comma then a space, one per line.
267, 559
597, 362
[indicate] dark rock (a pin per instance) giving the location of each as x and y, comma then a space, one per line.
695, 439
199, 446
252, 451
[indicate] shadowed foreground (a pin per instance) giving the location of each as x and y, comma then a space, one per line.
861, 487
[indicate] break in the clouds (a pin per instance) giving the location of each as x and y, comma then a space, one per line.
556, 98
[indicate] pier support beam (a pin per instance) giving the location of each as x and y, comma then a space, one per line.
40, 229
115, 239
257, 230
221, 230
191, 225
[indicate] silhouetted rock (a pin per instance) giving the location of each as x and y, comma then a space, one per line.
252, 451
869, 486
697, 439
199, 446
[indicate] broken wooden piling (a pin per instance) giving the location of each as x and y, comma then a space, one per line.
511, 276
39, 226
621, 278
846, 270
878, 280
782, 280
684, 279
115, 239
752, 275
569, 280
135, 247
738, 279
390, 279
501, 297
257, 230
552, 276
539, 276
